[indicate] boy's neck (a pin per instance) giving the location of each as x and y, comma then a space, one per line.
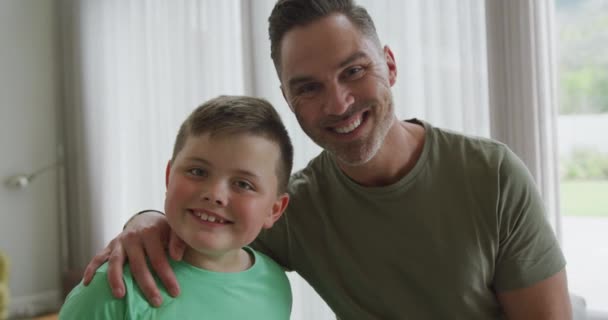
231, 261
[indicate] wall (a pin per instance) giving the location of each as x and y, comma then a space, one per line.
29, 95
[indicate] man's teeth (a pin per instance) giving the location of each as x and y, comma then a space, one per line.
349, 128
205, 217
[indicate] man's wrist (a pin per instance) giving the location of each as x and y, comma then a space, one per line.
140, 212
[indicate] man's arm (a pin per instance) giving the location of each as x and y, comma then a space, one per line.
144, 235
530, 277
547, 299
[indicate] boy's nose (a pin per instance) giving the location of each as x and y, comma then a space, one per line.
217, 201
215, 193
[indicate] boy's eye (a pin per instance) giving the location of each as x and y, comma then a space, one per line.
198, 172
244, 185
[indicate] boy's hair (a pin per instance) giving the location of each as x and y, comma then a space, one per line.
288, 14
231, 115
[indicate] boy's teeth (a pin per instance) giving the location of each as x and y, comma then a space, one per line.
205, 217
349, 128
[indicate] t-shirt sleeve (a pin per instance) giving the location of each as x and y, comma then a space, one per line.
94, 302
528, 251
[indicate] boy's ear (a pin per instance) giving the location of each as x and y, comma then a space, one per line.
167, 173
277, 210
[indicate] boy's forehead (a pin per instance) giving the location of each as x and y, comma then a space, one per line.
247, 144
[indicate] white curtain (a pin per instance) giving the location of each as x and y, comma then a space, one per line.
522, 89
135, 68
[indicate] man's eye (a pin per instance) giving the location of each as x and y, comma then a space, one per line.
198, 172
241, 184
308, 89
353, 72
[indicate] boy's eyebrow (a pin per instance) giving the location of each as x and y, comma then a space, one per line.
350, 59
239, 171
247, 173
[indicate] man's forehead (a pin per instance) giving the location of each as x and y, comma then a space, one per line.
317, 33
325, 44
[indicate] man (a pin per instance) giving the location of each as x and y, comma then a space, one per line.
394, 219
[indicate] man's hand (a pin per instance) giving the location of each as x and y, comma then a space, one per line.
146, 234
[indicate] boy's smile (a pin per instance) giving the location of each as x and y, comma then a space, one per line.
209, 217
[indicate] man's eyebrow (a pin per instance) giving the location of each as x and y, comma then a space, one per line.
197, 159
352, 58
303, 79
297, 80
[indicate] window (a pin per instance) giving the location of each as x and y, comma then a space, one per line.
582, 43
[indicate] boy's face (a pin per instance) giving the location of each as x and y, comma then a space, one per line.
222, 191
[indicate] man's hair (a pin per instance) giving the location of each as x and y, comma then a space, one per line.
234, 115
288, 14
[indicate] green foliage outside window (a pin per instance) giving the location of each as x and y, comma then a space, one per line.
583, 56
585, 164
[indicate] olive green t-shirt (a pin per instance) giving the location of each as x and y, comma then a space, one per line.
466, 222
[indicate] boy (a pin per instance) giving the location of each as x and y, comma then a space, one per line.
226, 181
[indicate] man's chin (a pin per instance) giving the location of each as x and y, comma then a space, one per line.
353, 158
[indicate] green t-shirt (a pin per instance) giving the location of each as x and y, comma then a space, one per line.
262, 292
467, 221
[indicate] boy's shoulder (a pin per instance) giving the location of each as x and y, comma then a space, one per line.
94, 301
261, 288
266, 264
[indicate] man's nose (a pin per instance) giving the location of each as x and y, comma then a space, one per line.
339, 98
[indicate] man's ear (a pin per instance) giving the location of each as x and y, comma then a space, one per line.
167, 173
392, 65
277, 210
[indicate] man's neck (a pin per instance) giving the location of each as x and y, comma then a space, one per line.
232, 261
398, 155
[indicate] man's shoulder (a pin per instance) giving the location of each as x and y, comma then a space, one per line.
451, 143
449, 137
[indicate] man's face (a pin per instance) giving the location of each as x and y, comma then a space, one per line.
338, 83
222, 190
